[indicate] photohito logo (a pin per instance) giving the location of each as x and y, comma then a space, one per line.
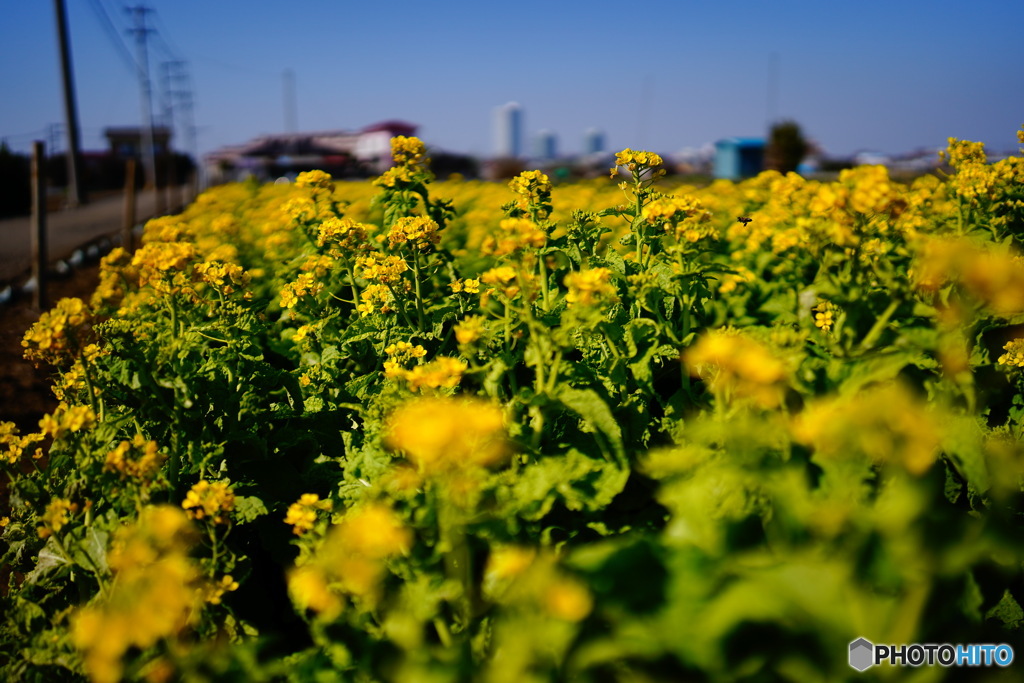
865, 654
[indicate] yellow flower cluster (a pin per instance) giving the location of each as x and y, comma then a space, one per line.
672, 209
887, 424
515, 234
396, 176
869, 190
155, 594
409, 151
441, 373
352, 560
115, 274
399, 354
993, 277
1014, 356
590, 287
225, 277
139, 458
375, 298
162, 265
305, 284
60, 333
342, 233
960, 153
315, 179
732, 281
533, 190
521, 577
442, 435
469, 286
504, 278
377, 267
66, 420
469, 329
824, 315
636, 160
213, 591
319, 265
302, 513
974, 178
738, 367
209, 500
416, 231
56, 516
14, 443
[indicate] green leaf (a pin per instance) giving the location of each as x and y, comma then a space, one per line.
577, 480
596, 414
90, 552
51, 560
248, 508
615, 261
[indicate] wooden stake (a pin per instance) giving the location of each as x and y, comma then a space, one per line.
128, 218
39, 247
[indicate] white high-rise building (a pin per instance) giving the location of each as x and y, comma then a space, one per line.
508, 131
545, 146
593, 141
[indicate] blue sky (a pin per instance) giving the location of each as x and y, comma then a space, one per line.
884, 75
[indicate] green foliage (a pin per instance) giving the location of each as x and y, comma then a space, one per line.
309, 436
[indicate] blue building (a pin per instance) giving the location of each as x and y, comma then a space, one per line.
737, 158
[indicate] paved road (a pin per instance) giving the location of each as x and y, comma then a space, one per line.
68, 230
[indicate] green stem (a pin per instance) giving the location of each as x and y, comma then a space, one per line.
455, 551
352, 277
399, 304
419, 296
174, 316
876, 330
96, 409
542, 271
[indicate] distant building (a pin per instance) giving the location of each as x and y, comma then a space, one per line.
737, 158
545, 146
125, 142
593, 142
373, 144
338, 152
508, 131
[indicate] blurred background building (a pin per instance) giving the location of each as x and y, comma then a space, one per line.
508, 131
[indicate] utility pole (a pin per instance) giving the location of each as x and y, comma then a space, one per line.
179, 104
290, 108
40, 250
76, 193
772, 100
145, 91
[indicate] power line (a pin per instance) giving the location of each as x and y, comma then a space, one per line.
114, 35
141, 32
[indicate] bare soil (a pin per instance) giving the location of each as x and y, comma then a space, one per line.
25, 394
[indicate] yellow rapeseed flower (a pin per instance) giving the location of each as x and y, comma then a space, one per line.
886, 423
302, 514
590, 287
1014, 356
314, 179
440, 435
738, 367
212, 500
56, 517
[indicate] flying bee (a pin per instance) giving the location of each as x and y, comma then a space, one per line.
744, 219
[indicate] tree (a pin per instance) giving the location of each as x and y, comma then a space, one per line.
786, 147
